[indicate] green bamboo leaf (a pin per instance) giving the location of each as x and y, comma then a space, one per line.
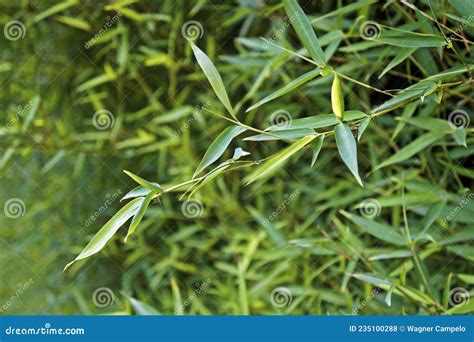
413, 92
318, 144
317, 121
403, 38
287, 88
465, 8
54, 9
459, 135
305, 31
400, 57
290, 134
277, 160
143, 182
411, 149
430, 124
379, 230
465, 307
108, 230
347, 147
74, 22
214, 78
218, 147
33, 108
137, 218
362, 127
408, 112
139, 191
337, 98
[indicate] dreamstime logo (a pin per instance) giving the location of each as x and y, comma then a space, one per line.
280, 297
458, 296
459, 119
280, 118
192, 208
460, 29
370, 297
21, 288
283, 205
370, 30
287, 21
198, 289
192, 30
370, 208
14, 30
14, 208
110, 199
103, 119
103, 297
195, 116
110, 22
19, 113
466, 199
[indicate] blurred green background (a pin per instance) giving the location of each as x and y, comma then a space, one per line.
91, 88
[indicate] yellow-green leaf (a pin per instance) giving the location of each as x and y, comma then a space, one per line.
337, 98
278, 159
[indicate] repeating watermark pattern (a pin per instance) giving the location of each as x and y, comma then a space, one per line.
110, 199
459, 119
46, 330
370, 208
21, 288
370, 30
370, 297
287, 21
466, 199
21, 110
458, 296
199, 288
14, 208
198, 113
103, 297
192, 208
287, 200
103, 119
192, 30
460, 29
110, 22
14, 30
280, 297
280, 118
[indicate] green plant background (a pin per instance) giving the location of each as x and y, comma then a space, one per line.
144, 73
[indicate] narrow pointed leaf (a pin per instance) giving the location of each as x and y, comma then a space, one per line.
108, 230
219, 146
411, 149
291, 134
318, 121
304, 30
346, 145
278, 159
379, 230
214, 77
287, 88
413, 92
137, 218
34, 104
362, 127
143, 182
139, 191
400, 57
318, 144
